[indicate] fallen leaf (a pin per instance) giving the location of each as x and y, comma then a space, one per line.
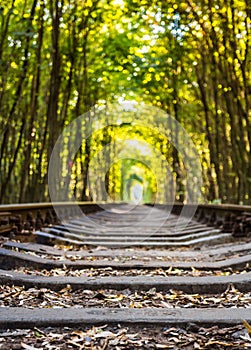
28, 347
105, 334
247, 326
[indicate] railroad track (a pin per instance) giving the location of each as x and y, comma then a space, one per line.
124, 277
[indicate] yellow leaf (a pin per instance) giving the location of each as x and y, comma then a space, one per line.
14, 65
247, 326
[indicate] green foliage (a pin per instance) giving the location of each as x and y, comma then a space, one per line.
189, 58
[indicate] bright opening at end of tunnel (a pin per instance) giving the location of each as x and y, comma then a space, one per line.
142, 147
137, 194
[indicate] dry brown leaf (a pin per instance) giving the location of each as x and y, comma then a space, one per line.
80, 346
28, 347
215, 342
162, 346
247, 326
117, 297
105, 334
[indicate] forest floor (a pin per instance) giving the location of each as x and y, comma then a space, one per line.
120, 336
130, 338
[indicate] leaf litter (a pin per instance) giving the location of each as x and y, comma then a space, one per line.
16, 296
116, 337
111, 271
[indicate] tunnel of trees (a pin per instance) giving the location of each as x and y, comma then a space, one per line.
189, 58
